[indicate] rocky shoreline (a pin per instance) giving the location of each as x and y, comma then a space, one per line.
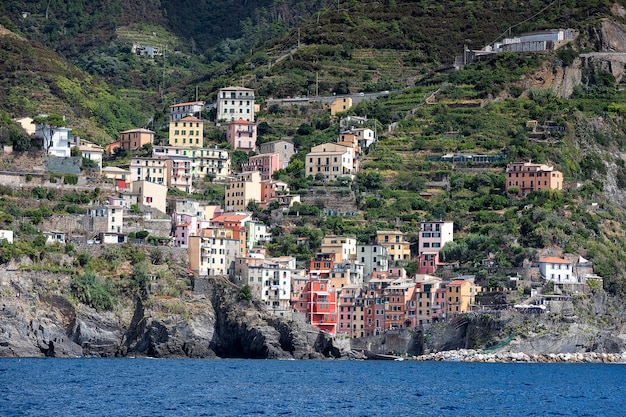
470, 355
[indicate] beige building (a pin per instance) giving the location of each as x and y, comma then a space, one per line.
242, 189
213, 251
397, 248
234, 103
151, 194
331, 161
187, 131
340, 104
527, 177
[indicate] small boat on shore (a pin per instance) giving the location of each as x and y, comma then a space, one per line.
381, 356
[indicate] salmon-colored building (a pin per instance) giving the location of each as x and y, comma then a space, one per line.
266, 164
131, 140
527, 177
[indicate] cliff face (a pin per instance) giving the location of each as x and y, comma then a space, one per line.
38, 317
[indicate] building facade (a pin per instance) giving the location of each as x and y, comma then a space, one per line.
526, 177
234, 103
187, 131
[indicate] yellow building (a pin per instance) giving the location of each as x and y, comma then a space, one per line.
340, 104
460, 296
243, 189
393, 240
187, 131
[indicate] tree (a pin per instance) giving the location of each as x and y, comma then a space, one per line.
50, 124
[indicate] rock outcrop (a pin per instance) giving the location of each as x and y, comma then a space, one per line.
39, 317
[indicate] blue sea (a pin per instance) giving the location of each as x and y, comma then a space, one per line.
231, 387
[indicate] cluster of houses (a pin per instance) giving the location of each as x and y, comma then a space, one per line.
348, 288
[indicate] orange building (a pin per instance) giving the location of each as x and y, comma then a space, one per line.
527, 177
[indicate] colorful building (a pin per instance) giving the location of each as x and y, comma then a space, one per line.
266, 164
526, 177
461, 296
187, 131
241, 135
134, 139
393, 240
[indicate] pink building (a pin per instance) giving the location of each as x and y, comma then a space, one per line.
184, 225
266, 164
241, 135
181, 173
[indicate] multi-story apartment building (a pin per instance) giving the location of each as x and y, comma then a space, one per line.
283, 147
426, 301
266, 164
321, 304
187, 132
243, 189
269, 280
134, 139
151, 194
350, 307
365, 136
155, 169
344, 247
373, 257
235, 103
181, 110
433, 236
180, 176
526, 177
241, 135
393, 240
461, 296
213, 251
109, 218
345, 274
204, 161
397, 296
330, 161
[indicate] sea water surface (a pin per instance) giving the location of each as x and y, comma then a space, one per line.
233, 387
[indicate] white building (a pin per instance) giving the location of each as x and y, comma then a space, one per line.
434, 234
375, 258
57, 141
234, 103
557, 270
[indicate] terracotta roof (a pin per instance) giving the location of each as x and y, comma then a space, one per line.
190, 103
189, 119
241, 122
458, 282
229, 218
554, 260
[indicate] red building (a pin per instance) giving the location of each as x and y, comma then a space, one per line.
321, 304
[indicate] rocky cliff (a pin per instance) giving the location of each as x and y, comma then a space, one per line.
40, 317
